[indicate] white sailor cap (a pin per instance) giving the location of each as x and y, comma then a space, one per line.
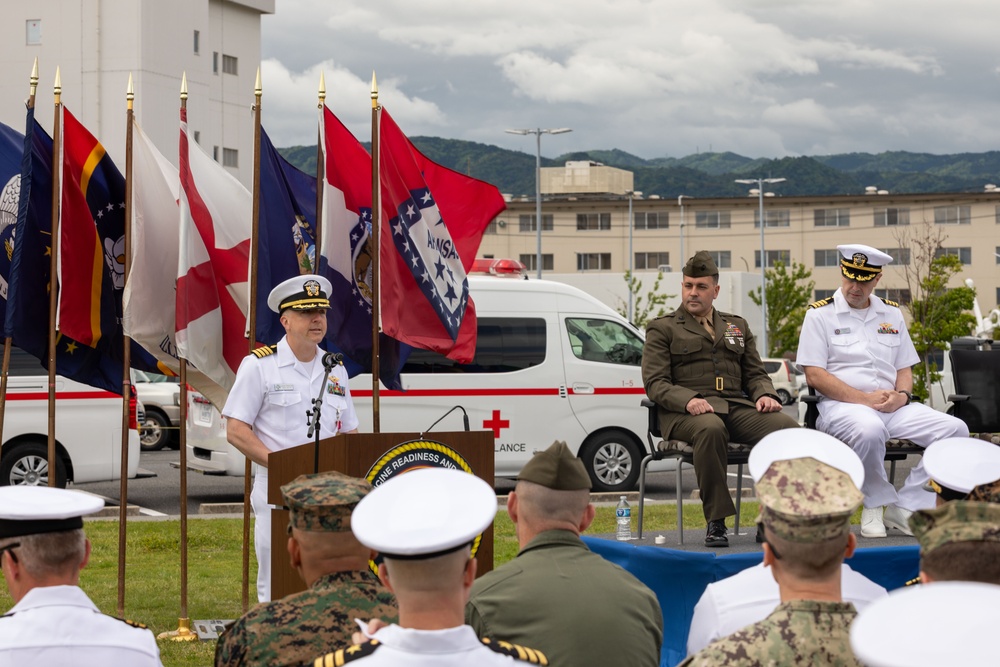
31, 510
300, 293
943, 623
958, 465
861, 263
800, 443
424, 513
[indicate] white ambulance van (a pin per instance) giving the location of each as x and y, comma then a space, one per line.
88, 429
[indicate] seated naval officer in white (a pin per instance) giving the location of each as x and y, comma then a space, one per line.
42, 551
857, 354
274, 389
751, 595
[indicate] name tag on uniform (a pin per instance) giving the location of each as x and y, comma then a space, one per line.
845, 330
283, 387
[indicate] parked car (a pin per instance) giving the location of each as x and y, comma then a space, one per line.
88, 429
208, 450
785, 378
161, 397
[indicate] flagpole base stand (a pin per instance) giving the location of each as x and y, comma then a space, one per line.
181, 634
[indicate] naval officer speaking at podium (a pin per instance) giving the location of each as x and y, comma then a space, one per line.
275, 385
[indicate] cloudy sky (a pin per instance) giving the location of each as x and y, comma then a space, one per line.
656, 78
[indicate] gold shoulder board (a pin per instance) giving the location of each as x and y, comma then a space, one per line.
821, 303
889, 303
345, 655
265, 351
534, 656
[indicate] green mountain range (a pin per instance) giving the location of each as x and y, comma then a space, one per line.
713, 174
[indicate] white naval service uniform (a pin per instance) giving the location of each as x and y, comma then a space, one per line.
59, 625
453, 647
751, 595
865, 349
272, 394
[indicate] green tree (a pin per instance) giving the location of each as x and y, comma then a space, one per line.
647, 307
787, 298
938, 315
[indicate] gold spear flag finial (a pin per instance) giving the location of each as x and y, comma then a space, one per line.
258, 89
57, 88
184, 85
322, 87
130, 91
33, 81
374, 92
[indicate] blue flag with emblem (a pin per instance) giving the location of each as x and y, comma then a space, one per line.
11, 147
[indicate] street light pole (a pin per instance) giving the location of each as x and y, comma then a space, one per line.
680, 202
538, 132
631, 256
763, 263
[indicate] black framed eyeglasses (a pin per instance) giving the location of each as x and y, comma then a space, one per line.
9, 548
760, 531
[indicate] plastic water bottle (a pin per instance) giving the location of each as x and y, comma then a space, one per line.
624, 514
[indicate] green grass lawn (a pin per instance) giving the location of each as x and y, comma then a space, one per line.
152, 591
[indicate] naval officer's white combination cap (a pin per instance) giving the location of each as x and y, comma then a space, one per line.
862, 263
424, 513
32, 510
958, 465
300, 293
944, 623
800, 443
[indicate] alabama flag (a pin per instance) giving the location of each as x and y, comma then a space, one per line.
212, 268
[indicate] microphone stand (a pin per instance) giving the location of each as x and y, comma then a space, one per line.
465, 419
314, 415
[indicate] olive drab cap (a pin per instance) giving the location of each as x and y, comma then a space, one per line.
805, 500
33, 510
861, 263
556, 468
701, 265
323, 502
956, 521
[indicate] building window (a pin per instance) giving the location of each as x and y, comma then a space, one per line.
197, 137
964, 254
712, 220
589, 221
651, 219
530, 263
832, 217
899, 256
197, 41
890, 217
996, 254
998, 215
723, 258
998, 295
900, 296
651, 260
230, 158
821, 294
593, 261
952, 215
33, 32
774, 218
526, 223
773, 256
826, 257
491, 228
215, 153
230, 64
215, 62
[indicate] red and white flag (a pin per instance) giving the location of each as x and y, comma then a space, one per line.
148, 319
212, 269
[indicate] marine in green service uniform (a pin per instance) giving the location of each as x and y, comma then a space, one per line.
703, 370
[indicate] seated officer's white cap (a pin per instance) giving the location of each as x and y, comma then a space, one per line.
300, 293
32, 510
424, 513
861, 263
958, 465
943, 623
800, 443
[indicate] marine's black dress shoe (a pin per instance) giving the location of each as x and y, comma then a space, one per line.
716, 535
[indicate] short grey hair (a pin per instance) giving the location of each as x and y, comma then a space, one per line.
48, 554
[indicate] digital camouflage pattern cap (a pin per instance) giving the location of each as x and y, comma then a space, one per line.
956, 521
986, 493
556, 468
701, 265
323, 502
805, 500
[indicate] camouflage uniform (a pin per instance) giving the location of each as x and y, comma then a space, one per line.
956, 521
297, 628
800, 632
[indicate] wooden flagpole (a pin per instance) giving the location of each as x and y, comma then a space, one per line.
376, 251
53, 272
8, 341
126, 354
320, 169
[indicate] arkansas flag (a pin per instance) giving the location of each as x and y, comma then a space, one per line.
433, 220
212, 270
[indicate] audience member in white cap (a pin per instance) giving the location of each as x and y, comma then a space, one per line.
956, 466
857, 354
275, 387
424, 524
949, 623
749, 596
53, 622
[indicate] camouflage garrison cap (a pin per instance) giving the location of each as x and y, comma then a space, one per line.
323, 502
556, 468
956, 521
805, 500
701, 265
986, 493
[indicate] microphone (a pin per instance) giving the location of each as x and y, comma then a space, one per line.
331, 359
465, 419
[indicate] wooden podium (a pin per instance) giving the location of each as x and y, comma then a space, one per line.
354, 454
